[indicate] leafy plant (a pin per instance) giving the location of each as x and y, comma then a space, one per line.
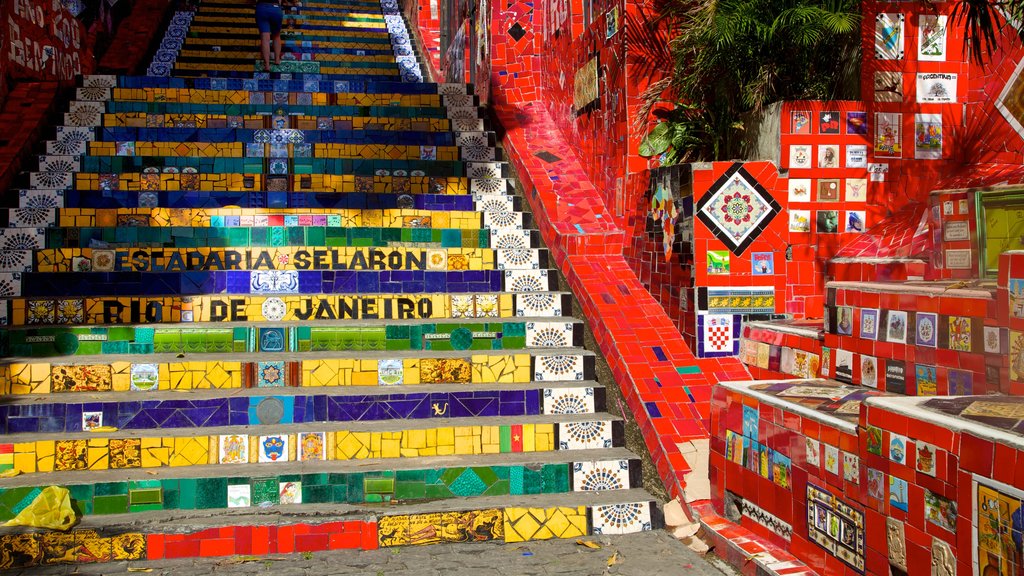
728, 58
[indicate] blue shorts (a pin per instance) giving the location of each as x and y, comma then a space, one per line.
268, 17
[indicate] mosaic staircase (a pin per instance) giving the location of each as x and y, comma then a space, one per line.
291, 312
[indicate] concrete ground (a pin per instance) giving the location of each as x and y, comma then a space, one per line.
645, 554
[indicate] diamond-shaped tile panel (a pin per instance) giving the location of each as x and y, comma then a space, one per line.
1010, 99
600, 476
737, 208
624, 518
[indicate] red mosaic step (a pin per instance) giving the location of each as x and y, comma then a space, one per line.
24, 115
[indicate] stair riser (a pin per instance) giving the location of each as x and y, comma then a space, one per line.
43, 342
154, 451
405, 486
267, 410
521, 368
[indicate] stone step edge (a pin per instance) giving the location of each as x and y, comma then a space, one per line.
76, 478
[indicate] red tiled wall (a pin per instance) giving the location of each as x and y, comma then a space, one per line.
787, 433
32, 26
986, 371
133, 38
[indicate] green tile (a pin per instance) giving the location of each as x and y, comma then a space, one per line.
110, 504
145, 496
265, 492
410, 490
316, 494
379, 485
210, 493
112, 489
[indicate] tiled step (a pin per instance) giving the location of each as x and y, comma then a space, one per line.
317, 307
183, 535
298, 258
276, 445
274, 282
385, 192
22, 239
309, 291
296, 369
315, 483
165, 410
336, 336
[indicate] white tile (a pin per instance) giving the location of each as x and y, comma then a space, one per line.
622, 518
549, 334
239, 495
569, 401
234, 449
558, 367
527, 281
585, 435
273, 448
524, 259
600, 476
538, 304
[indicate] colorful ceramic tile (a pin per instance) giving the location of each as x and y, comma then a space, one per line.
239, 495
828, 156
812, 452
751, 422
844, 320
736, 209
898, 446
851, 467
896, 327
799, 190
144, 377
889, 40
927, 329
898, 493
762, 263
992, 340
444, 371
585, 435
273, 448
270, 374
718, 262
91, 420
626, 518
290, 492
869, 371
568, 401
272, 339
549, 334
925, 458
960, 333
600, 476
312, 446
234, 449
876, 484
836, 526
390, 372
832, 459
558, 367
800, 122
926, 380
869, 323
799, 220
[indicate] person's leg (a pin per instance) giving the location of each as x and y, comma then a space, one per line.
277, 19
263, 24
265, 48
